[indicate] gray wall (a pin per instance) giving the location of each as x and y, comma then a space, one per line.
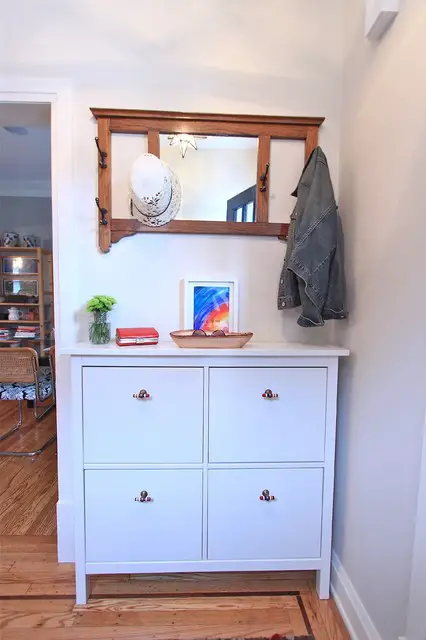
27, 215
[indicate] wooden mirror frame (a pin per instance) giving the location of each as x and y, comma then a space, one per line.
152, 123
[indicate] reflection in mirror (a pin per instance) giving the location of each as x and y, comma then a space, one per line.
218, 175
124, 151
287, 162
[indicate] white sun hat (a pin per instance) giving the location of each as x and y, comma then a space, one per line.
155, 191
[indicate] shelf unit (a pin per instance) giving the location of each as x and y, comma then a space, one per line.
43, 276
21, 304
32, 323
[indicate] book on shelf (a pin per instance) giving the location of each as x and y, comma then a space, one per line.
27, 327
27, 332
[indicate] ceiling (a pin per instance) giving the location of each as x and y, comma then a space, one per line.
25, 160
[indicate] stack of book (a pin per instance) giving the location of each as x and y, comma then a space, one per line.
27, 332
5, 334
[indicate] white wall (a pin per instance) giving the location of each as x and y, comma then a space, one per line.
226, 56
382, 406
27, 216
117, 59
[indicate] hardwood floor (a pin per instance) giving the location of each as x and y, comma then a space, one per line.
37, 601
28, 487
37, 593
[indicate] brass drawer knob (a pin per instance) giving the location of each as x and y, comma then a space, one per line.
144, 497
269, 395
266, 496
142, 395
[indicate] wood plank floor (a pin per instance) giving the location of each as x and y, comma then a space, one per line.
28, 487
37, 593
37, 601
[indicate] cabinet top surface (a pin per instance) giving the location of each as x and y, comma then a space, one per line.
278, 349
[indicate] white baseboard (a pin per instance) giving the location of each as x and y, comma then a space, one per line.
354, 614
65, 521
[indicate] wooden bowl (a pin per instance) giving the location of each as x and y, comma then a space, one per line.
187, 340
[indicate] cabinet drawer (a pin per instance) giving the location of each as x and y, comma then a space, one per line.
243, 527
246, 427
165, 428
121, 529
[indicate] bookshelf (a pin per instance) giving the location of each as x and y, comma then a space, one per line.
26, 283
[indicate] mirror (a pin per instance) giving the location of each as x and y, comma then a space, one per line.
218, 166
287, 162
218, 175
124, 151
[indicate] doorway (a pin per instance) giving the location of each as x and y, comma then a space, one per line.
28, 460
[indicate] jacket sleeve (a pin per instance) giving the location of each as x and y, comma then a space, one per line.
288, 290
315, 244
335, 304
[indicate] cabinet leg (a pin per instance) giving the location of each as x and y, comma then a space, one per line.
323, 583
82, 587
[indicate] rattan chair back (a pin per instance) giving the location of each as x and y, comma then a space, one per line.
18, 364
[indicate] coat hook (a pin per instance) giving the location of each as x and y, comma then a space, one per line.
102, 154
264, 178
103, 212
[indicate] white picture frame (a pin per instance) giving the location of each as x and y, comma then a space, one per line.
379, 15
216, 318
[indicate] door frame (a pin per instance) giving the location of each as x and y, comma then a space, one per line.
58, 93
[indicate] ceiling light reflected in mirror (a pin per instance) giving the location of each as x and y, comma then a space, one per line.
219, 180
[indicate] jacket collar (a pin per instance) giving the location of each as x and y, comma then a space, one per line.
309, 169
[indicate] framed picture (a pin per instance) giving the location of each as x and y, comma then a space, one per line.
17, 265
211, 305
20, 287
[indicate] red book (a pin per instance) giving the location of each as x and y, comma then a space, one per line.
133, 337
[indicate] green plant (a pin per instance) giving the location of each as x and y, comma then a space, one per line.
103, 304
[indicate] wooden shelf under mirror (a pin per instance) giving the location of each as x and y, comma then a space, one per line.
252, 132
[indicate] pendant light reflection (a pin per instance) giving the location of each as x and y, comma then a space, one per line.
184, 140
17, 264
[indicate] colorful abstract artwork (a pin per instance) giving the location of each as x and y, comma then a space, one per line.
210, 305
211, 308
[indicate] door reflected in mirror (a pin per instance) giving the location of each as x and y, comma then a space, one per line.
218, 175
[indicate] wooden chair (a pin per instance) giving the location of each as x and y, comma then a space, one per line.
21, 378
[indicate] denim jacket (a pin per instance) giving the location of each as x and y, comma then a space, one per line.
313, 271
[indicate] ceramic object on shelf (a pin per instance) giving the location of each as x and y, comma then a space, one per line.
30, 241
191, 340
11, 239
15, 314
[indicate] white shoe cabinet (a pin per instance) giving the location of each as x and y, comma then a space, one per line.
203, 460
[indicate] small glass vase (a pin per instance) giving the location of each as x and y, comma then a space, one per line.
100, 328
